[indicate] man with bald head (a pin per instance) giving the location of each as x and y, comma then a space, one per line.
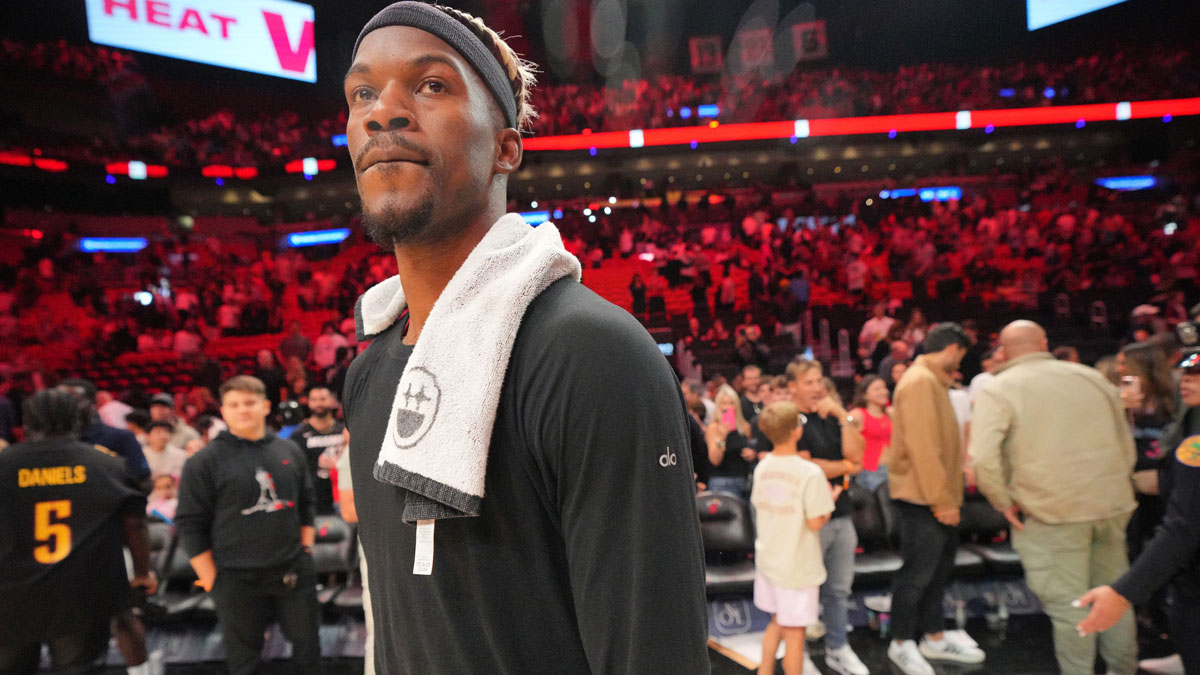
1054, 454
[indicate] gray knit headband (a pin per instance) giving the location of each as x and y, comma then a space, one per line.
432, 20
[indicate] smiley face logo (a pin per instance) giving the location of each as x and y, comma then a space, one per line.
416, 407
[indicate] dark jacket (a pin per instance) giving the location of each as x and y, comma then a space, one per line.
1174, 553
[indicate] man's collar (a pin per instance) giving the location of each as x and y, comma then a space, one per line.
1035, 356
925, 361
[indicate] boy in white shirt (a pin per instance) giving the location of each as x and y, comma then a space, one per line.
792, 500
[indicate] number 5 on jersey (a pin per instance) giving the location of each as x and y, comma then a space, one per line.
56, 535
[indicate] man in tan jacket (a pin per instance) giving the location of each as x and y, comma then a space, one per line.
926, 481
1053, 452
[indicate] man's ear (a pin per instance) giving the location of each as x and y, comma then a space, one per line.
508, 151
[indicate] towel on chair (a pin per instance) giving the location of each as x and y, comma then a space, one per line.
437, 438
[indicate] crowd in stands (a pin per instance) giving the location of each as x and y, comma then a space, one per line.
735, 275
88, 62
228, 137
1111, 75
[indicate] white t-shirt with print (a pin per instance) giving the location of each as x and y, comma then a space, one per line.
788, 491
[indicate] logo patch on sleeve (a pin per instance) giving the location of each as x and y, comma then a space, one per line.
1188, 452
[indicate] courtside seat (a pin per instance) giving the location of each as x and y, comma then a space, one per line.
985, 533
350, 599
333, 554
728, 532
160, 535
967, 563
876, 563
178, 598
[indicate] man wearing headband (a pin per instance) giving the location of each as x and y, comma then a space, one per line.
1174, 553
584, 554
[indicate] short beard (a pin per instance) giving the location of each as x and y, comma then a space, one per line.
393, 227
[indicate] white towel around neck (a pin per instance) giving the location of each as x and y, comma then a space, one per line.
440, 427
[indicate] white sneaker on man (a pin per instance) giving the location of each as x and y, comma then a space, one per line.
952, 648
961, 637
1167, 665
908, 658
843, 660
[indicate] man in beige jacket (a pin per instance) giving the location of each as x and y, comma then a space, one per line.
1053, 452
926, 481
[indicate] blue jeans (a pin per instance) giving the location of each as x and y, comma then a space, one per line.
838, 541
734, 485
871, 480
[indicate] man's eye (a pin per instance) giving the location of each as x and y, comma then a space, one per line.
433, 87
361, 94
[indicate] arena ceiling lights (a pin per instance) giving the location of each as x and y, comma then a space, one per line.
136, 170
317, 237
891, 125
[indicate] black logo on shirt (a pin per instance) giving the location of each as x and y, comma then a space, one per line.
417, 401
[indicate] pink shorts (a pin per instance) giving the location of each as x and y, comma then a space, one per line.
792, 607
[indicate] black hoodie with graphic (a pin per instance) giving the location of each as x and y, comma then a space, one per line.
245, 500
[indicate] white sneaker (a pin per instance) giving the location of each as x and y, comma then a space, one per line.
878, 603
962, 638
948, 649
1167, 665
810, 668
908, 658
843, 660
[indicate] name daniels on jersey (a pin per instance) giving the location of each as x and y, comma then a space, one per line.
52, 475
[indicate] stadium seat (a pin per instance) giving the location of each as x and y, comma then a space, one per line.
333, 554
350, 599
160, 535
178, 599
967, 563
728, 532
877, 563
985, 533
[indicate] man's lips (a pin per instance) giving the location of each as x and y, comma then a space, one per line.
392, 155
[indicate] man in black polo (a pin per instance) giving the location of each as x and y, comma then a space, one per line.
322, 437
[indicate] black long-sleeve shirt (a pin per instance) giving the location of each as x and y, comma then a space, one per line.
246, 500
1174, 553
586, 555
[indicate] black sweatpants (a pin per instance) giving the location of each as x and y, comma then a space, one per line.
75, 654
928, 548
246, 602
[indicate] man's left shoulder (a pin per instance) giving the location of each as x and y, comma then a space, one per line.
570, 319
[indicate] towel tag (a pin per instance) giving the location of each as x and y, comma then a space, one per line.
423, 560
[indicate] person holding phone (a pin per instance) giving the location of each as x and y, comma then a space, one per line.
729, 448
